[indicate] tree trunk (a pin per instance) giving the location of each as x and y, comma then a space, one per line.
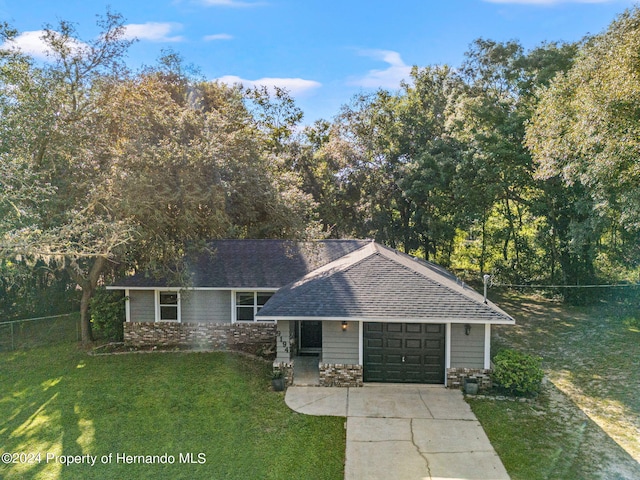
85, 317
483, 251
88, 283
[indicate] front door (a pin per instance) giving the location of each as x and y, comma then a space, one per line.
310, 336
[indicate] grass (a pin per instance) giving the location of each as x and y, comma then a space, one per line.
62, 401
39, 332
586, 422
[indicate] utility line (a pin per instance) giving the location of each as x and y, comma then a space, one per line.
619, 285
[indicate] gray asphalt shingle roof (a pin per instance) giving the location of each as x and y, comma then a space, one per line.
254, 263
334, 279
381, 284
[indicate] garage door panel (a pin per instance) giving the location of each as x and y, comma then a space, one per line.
413, 327
432, 360
394, 343
413, 360
394, 327
393, 359
375, 327
404, 352
374, 358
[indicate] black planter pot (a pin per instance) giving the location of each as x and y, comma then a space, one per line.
471, 386
278, 384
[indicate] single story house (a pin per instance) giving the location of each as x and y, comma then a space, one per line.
363, 312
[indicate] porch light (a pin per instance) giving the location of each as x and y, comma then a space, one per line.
344, 326
467, 329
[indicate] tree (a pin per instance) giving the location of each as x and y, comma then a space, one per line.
585, 135
497, 190
141, 167
48, 125
398, 161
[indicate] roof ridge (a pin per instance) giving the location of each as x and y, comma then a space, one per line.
340, 264
416, 266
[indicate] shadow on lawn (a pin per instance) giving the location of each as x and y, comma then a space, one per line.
66, 405
590, 352
202, 415
41, 419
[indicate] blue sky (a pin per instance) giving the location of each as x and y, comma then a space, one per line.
323, 51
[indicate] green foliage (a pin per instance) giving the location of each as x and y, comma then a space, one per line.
99, 164
583, 135
108, 315
517, 372
29, 290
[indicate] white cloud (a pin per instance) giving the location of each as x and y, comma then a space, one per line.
547, 2
31, 43
387, 78
295, 86
217, 36
153, 31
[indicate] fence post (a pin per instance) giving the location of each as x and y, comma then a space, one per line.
12, 343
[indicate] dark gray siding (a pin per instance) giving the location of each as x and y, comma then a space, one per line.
340, 346
197, 306
143, 305
467, 351
206, 306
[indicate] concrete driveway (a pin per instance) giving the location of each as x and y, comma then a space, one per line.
405, 432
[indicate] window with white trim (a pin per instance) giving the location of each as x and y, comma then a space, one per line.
248, 304
167, 306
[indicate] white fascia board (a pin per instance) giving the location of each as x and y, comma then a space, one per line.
127, 305
361, 343
388, 320
243, 289
447, 350
174, 289
152, 289
487, 347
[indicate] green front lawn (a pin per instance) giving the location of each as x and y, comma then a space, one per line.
59, 400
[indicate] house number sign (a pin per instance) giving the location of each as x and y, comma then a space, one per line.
285, 343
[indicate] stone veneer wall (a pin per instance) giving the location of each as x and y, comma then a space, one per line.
456, 376
340, 375
212, 336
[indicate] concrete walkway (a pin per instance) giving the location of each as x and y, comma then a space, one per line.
405, 432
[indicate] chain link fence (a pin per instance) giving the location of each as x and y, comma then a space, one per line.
37, 332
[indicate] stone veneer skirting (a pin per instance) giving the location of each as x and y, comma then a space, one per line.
456, 376
210, 336
340, 375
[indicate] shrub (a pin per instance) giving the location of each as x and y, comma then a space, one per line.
517, 372
107, 315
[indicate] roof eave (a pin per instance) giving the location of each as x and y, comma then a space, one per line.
505, 321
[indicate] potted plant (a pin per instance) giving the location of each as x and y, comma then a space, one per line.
471, 386
277, 380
